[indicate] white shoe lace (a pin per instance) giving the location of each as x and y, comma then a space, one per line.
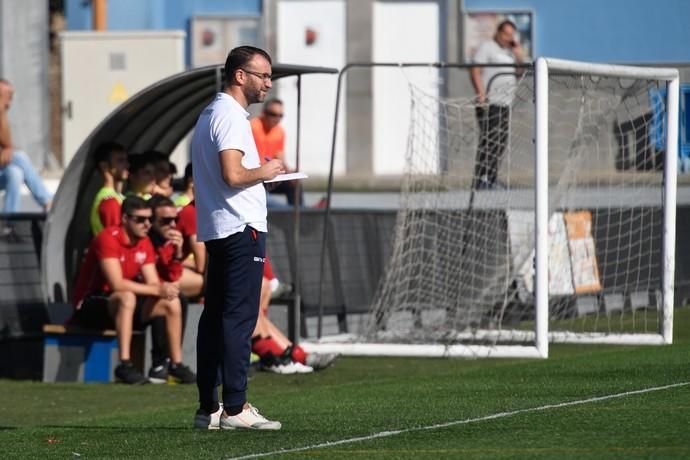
255, 412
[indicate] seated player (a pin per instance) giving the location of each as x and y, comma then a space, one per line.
276, 352
111, 161
173, 247
164, 171
269, 136
142, 176
186, 196
118, 287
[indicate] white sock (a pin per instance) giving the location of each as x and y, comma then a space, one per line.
274, 283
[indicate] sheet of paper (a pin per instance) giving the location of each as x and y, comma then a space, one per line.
289, 176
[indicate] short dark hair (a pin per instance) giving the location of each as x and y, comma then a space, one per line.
238, 58
105, 150
138, 161
506, 22
133, 203
160, 201
273, 100
188, 173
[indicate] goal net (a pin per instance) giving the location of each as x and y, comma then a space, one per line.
548, 218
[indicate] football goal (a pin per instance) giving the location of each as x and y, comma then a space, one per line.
548, 219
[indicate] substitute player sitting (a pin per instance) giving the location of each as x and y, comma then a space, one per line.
111, 161
118, 287
173, 246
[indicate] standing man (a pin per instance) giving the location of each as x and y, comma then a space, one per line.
493, 108
269, 136
15, 167
231, 220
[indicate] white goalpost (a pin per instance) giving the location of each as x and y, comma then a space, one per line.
548, 219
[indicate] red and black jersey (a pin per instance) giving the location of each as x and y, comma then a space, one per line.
112, 242
186, 224
109, 211
169, 268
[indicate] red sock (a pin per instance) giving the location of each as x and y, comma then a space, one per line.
299, 355
264, 346
268, 270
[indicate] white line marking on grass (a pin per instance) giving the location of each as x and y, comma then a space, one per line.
386, 434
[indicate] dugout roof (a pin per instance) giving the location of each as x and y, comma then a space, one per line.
157, 118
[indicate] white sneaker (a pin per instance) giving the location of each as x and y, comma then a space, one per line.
301, 368
320, 361
289, 368
204, 421
279, 369
249, 418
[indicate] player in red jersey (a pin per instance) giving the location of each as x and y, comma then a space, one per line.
118, 287
174, 237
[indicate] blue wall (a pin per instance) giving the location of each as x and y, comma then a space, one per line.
155, 14
614, 31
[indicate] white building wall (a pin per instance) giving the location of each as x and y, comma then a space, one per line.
326, 19
403, 32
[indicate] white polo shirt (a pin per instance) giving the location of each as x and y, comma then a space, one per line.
502, 88
223, 210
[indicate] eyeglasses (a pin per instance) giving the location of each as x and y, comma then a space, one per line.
140, 219
263, 76
273, 114
167, 220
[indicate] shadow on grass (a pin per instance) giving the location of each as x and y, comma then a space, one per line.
113, 428
2, 428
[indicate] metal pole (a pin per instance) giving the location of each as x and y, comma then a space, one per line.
329, 193
294, 328
541, 135
670, 182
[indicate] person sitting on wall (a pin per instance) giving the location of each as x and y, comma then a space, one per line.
15, 166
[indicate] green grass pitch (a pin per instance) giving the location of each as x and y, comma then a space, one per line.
360, 398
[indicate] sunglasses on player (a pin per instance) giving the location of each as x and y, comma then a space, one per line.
140, 219
167, 220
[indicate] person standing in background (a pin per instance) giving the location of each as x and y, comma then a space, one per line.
495, 89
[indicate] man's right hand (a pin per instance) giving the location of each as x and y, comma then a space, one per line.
168, 291
272, 168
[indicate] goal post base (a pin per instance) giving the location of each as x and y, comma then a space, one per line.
423, 351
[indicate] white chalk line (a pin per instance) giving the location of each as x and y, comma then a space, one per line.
385, 434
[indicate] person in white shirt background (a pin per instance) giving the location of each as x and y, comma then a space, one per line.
495, 89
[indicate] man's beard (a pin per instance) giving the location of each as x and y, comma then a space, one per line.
256, 96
